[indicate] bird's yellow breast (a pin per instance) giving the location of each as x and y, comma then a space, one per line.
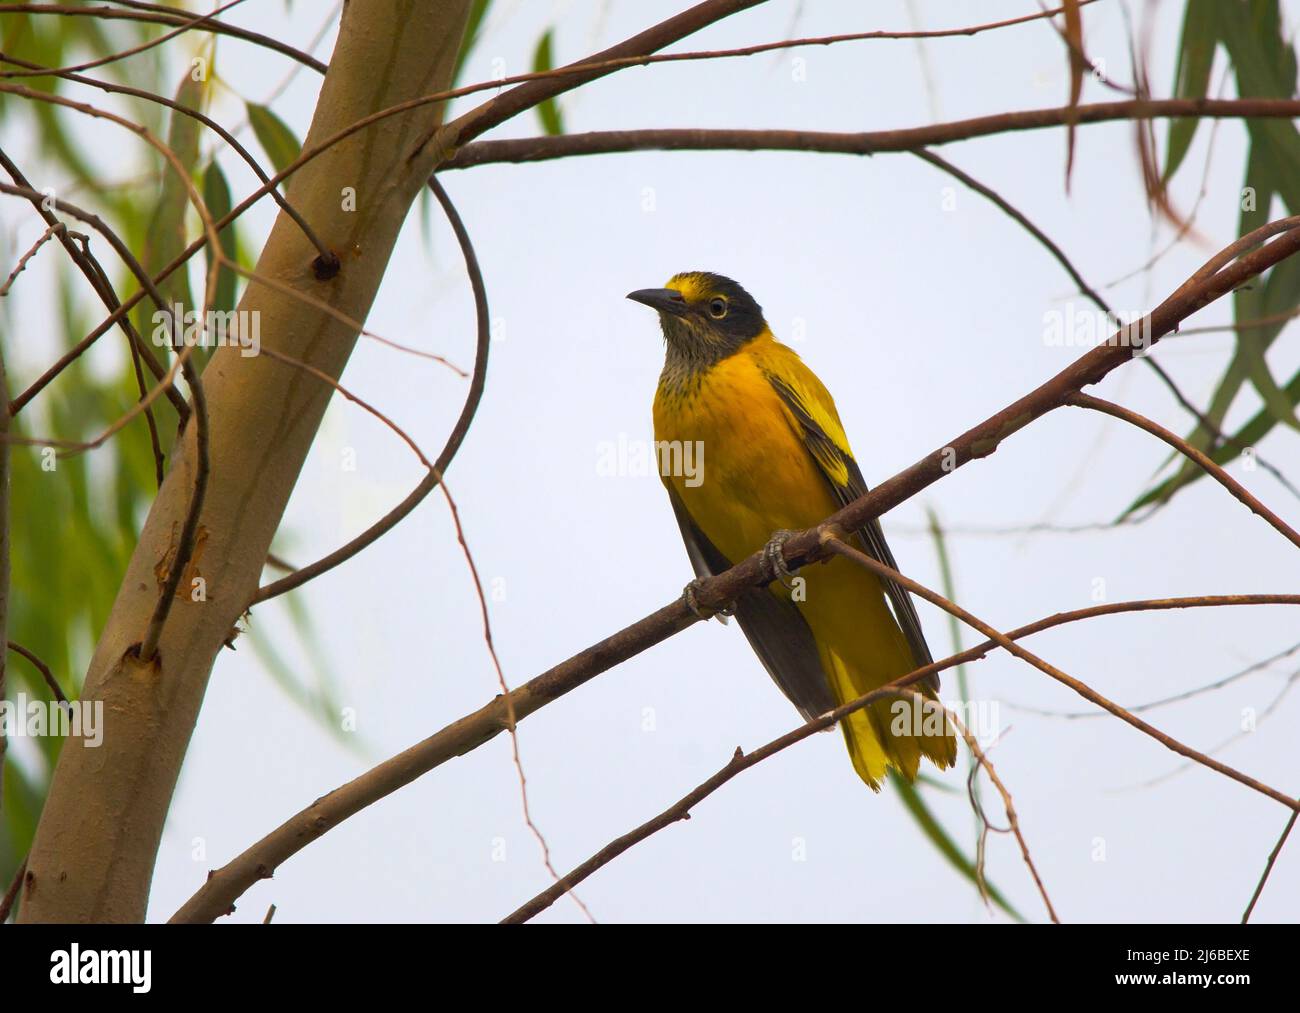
755, 475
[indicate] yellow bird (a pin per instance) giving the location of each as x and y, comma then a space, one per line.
767, 454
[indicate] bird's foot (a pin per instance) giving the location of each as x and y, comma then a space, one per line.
774, 560
692, 602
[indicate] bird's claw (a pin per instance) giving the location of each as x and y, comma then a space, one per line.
774, 560
693, 603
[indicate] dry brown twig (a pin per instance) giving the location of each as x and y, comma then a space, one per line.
58, 228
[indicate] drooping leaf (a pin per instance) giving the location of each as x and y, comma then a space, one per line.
549, 111
1264, 64
165, 237
275, 137
1192, 76
216, 195
477, 12
949, 588
1078, 66
944, 844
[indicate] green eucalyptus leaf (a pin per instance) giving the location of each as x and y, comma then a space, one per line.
216, 195
944, 844
548, 111
275, 137
1192, 77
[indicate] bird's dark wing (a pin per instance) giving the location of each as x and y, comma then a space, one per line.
845, 479
773, 626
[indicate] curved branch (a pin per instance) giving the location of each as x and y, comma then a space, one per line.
454, 440
841, 548
46, 674
1187, 450
1088, 291
1013, 820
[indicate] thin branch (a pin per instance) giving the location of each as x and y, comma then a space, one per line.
833, 542
1268, 867
505, 695
11, 894
454, 440
155, 442
320, 304
1084, 288
478, 589
95, 274
1165, 701
546, 83
1007, 804
327, 255
45, 237
1223, 745
1242, 325
605, 142
538, 87
46, 674
163, 15
194, 22
640, 50
189, 530
1187, 450
69, 448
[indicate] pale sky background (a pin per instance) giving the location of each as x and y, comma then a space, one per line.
923, 320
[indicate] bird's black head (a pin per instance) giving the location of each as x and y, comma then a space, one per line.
705, 317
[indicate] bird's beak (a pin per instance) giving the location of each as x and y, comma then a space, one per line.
665, 300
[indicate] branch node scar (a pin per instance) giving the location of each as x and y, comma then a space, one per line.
324, 268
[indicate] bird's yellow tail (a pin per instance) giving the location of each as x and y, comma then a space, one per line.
893, 731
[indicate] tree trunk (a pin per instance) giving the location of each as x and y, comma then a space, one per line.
94, 851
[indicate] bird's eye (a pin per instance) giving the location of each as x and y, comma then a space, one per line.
718, 308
